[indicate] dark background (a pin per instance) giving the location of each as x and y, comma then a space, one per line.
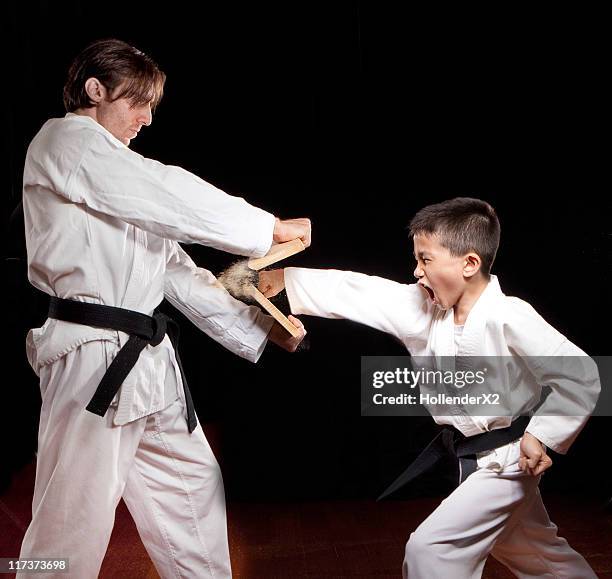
355, 115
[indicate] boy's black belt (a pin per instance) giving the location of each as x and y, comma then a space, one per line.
450, 442
143, 330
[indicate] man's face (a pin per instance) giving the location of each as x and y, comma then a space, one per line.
122, 119
439, 273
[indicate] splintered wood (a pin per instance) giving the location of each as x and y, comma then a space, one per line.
267, 305
240, 280
276, 253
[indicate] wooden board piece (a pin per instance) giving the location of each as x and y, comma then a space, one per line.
267, 305
276, 253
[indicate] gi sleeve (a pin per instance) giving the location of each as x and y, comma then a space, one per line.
163, 199
559, 364
195, 292
397, 309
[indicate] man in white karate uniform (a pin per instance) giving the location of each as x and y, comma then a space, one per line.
103, 226
458, 309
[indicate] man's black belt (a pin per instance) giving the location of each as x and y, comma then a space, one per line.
450, 442
143, 330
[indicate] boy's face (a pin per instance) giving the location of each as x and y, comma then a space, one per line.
439, 273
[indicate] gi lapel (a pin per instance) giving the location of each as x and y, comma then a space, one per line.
473, 337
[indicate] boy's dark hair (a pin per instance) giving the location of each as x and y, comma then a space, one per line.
462, 225
114, 62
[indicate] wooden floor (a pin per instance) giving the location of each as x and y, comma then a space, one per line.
317, 540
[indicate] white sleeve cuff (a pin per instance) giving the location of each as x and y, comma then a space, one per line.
295, 304
264, 241
255, 338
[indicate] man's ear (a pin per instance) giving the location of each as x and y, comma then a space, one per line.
471, 264
95, 90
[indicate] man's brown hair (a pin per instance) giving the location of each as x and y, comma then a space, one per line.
461, 225
115, 64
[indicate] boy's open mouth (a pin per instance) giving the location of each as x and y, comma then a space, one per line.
429, 291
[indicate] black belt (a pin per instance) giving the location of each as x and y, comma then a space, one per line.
450, 442
143, 330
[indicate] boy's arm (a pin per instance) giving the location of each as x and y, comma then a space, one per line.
558, 363
397, 309
194, 291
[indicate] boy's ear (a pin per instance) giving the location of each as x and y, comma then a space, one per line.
471, 264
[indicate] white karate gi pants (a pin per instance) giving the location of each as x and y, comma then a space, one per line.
169, 480
500, 513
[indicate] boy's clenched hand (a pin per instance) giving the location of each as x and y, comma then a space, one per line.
271, 282
533, 459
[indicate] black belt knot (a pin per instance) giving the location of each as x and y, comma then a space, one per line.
143, 330
450, 442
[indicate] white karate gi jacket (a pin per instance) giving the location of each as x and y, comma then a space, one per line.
102, 225
497, 325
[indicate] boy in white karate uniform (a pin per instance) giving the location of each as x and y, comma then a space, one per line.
458, 309
103, 226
